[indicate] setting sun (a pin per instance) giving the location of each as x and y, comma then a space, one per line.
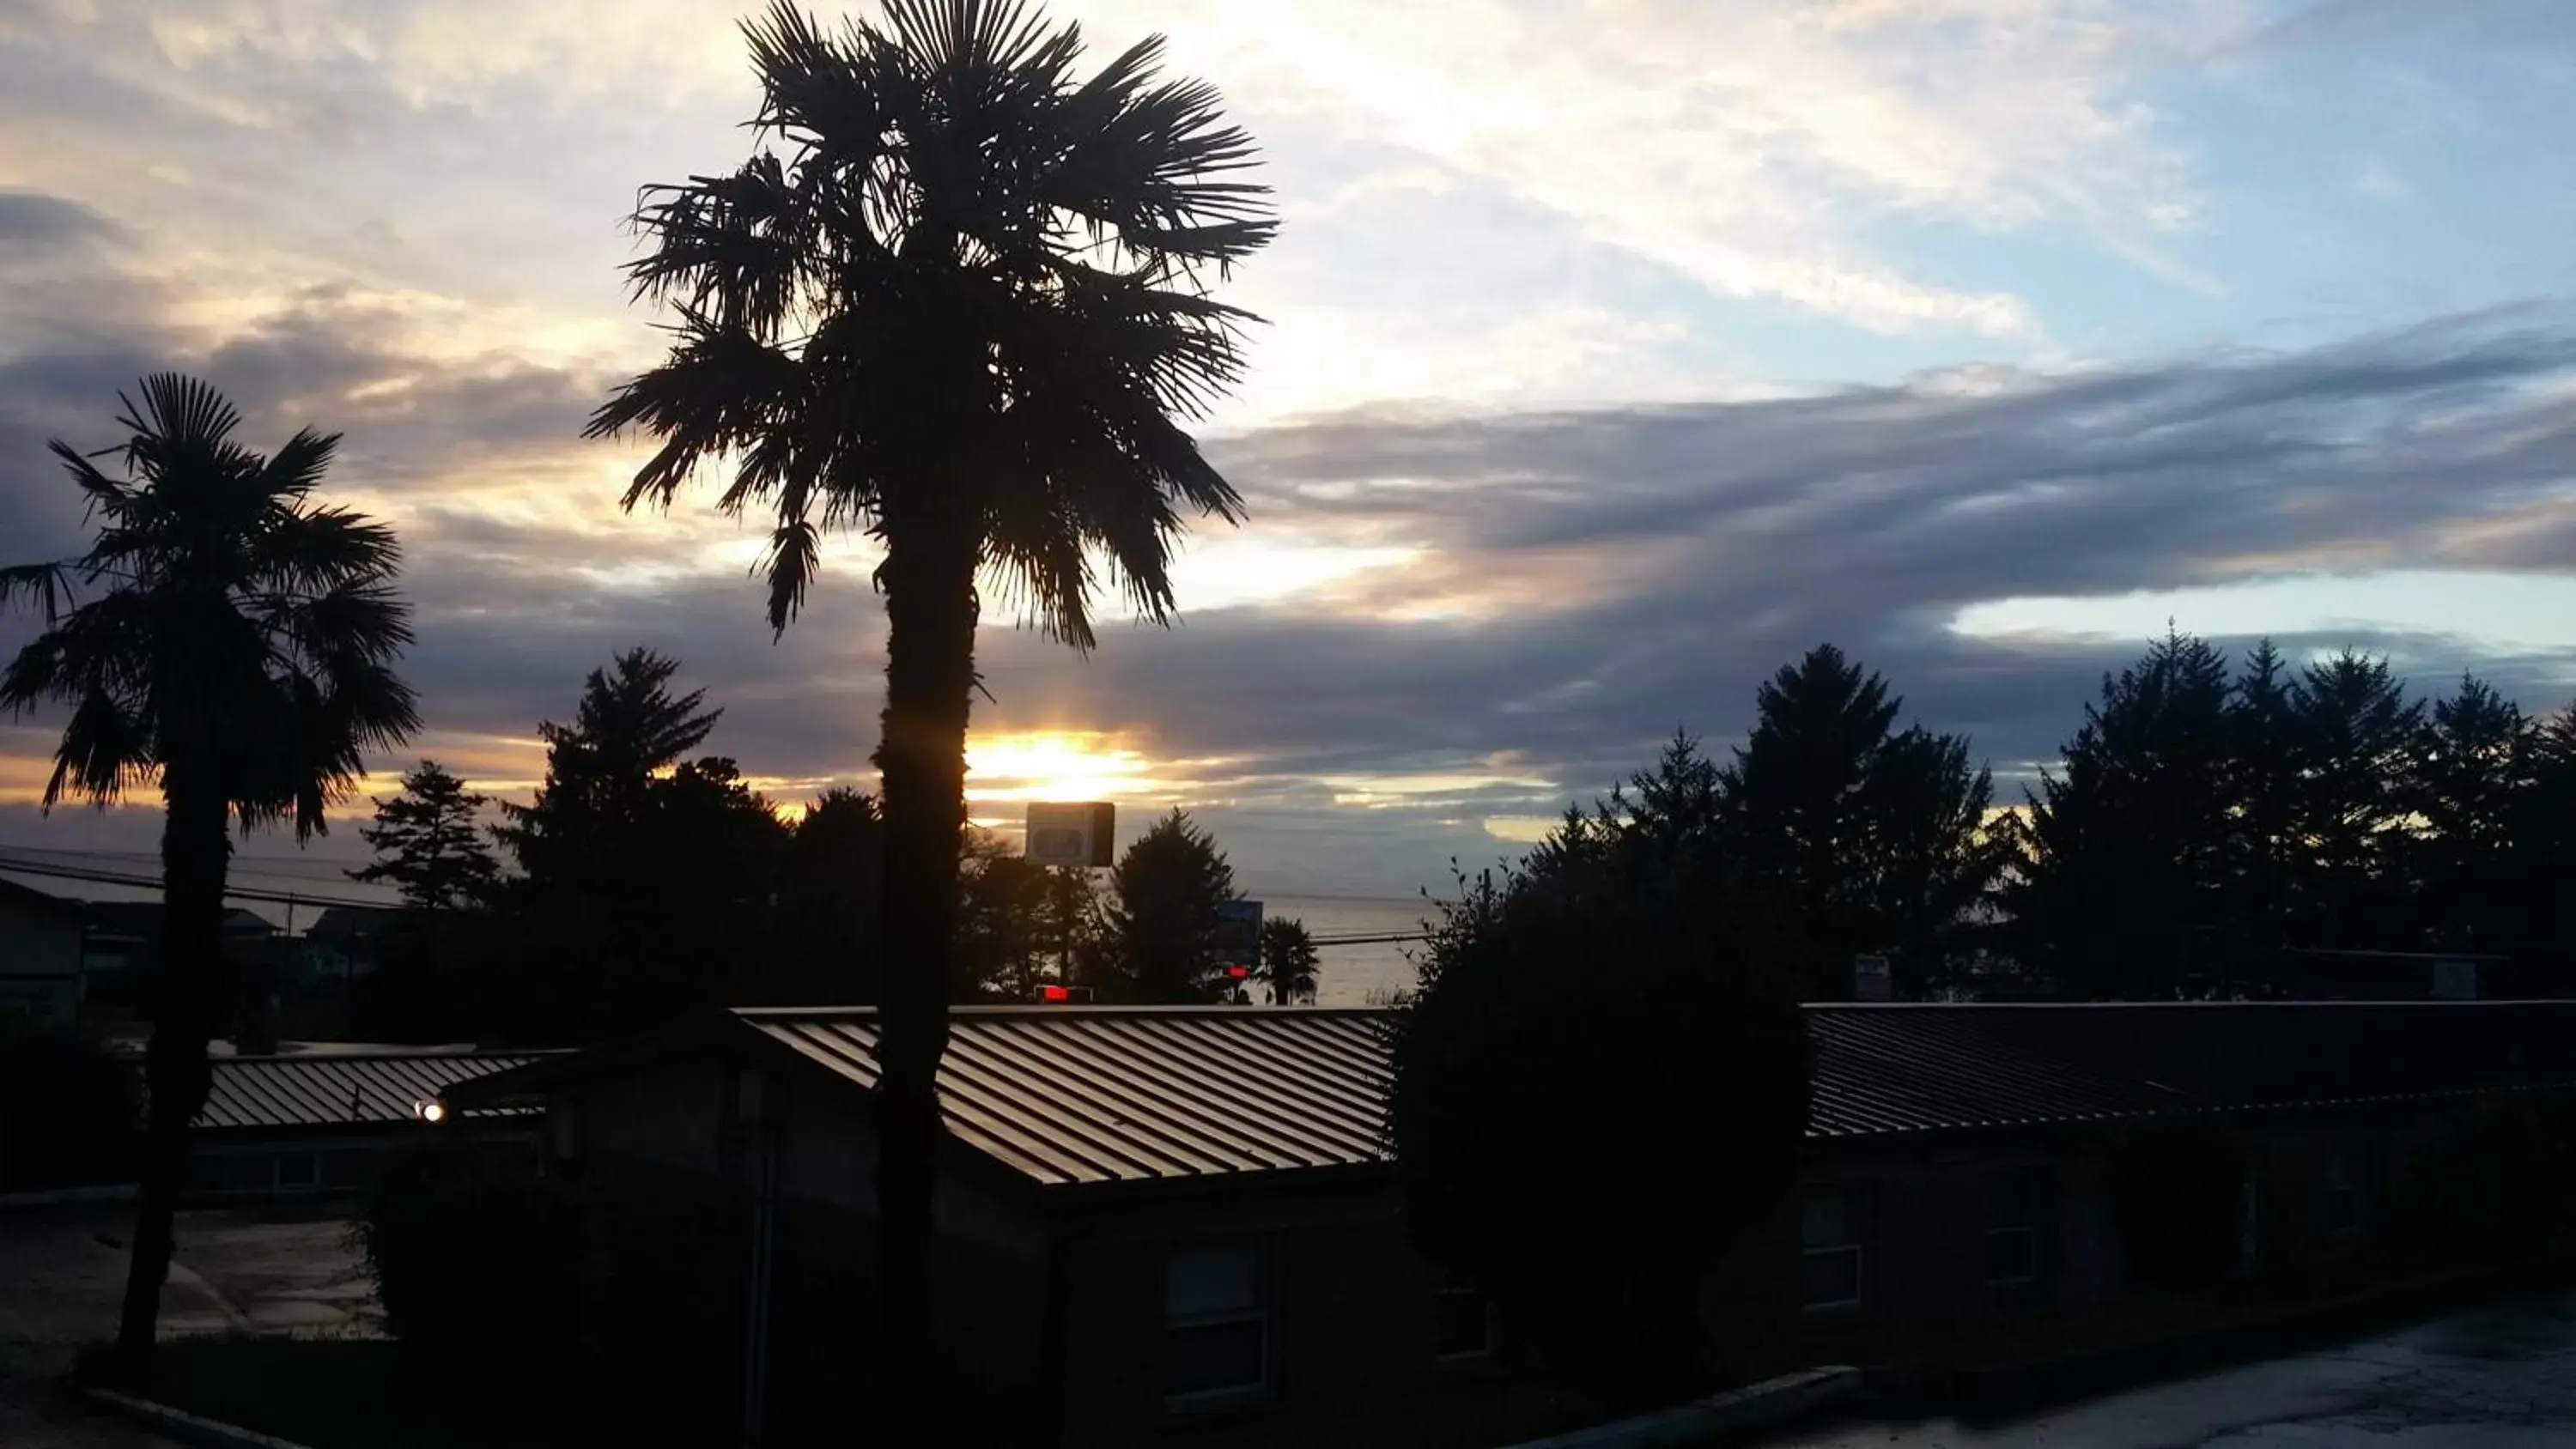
1052, 765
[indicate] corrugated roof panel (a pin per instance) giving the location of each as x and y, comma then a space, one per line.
1072, 1095
257, 1093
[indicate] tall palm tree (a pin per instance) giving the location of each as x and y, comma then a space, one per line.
960, 300
235, 642
1288, 961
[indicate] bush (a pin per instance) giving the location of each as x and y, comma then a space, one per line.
2494, 1185
1602, 1081
477, 1259
71, 1111
2177, 1204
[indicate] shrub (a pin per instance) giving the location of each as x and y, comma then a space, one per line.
2177, 1203
477, 1259
1601, 1082
71, 1111
2493, 1185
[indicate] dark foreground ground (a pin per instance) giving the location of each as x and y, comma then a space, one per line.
61, 1272
2493, 1378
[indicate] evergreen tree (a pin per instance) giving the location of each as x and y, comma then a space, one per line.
428, 844
2478, 762
827, 901
1163, 917
2264, 760
647, 882
1600, 1082
1873, 839
2123, 878
2359, 738
1288, 961
1022, 925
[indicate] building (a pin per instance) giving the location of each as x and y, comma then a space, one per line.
326, 1118
124, 937
1178, 1223
40, 955
343, 942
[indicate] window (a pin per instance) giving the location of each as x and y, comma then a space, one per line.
1832, 1219
1462, 1321
1216, 1324
2014, 1203
296, 1172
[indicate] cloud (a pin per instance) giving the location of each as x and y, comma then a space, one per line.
32, 221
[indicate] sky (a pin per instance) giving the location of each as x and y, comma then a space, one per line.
1614, 354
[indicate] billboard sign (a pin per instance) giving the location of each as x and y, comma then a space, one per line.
1238, 934
1871, 980
1076, 835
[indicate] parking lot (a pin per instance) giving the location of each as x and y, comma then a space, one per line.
62, 1274
2494, 1378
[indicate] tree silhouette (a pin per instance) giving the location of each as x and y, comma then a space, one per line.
645, 879
2479, 758
235, 641
960, 305
2358, 740
1600, 1081
1163, 915
1288, 961
1875, 838
2122, 884
827, 900
428, 843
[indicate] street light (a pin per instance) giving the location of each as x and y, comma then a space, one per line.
431, 1111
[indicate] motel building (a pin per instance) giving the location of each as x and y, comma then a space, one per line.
1178, 1224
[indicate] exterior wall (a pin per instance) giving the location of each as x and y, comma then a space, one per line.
40, 963
670, 1116
235, 1166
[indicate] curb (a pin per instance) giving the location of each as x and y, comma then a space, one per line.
2005, 1390
185, 1427
1754, 1406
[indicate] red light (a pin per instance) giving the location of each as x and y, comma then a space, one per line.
1055, 993
1238, 972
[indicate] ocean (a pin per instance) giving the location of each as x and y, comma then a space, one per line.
1347, 975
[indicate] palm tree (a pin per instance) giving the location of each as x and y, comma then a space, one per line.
1288, 961
960, 301
234, 642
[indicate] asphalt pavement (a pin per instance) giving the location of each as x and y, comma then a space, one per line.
2493, 1378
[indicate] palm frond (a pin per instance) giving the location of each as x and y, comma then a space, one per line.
296, 468
48, 586
105, 749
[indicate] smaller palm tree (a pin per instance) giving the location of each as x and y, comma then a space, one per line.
231, 641
1288, 961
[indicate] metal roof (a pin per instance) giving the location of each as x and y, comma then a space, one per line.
1091, 1095
1068, 1096
261, 1093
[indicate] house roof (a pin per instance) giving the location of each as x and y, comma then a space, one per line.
34, 899
1065, 1096
1084, 1096
376, 1089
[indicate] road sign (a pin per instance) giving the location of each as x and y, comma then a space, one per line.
1077, 835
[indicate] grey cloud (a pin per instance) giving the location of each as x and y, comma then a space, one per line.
31, 221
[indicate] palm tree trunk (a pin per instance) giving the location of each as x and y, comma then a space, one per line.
195, 851
930, 670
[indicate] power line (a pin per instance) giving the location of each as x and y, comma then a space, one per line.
153, 882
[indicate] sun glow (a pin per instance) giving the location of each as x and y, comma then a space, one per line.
1053, 765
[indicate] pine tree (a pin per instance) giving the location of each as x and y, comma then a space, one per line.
2478, 762
1162, 918
1873, 840
2123, 882
2359, 737
429, 844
